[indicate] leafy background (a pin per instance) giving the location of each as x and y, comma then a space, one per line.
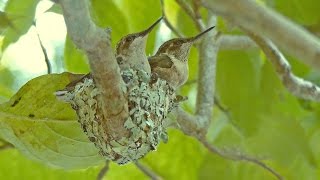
263, 120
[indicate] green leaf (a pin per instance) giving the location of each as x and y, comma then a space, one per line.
75, 60
179, 19
12, 161
314, 145
5, 22
193, 62
6, 83
281, 139
141, 14
302, 169
5, 93
23, 14
215, 167
227, 137
107, 15
185, 24
180, 158
304, 12
45, 129
238, 86
223, 133
275, 98
298, 68
128, 171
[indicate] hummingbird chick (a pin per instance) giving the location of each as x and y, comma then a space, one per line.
130, 50
170, 63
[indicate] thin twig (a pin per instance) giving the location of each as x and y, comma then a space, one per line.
238, 157
234, 42
196, 4
220, 107
103, 171
296, 85
225, 111
44, 51
147, 171
190, 126
208, 50
167, 22
198, 22
294, 39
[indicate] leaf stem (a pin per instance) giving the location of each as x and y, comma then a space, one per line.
44, 51
103, 171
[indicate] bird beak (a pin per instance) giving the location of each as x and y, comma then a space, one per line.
147, 31
192, 39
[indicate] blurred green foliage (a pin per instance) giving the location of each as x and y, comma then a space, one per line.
305, 13
75, 60
21, 16
264, 120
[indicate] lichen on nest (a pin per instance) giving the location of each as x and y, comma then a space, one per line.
149, 102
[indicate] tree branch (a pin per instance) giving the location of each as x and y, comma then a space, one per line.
233, 42
208, 50
188, 123
198, 21
104, 68
297, 86
265, 22
152, 175
196, 5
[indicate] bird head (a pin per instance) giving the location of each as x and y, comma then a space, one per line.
179, 48
134, 42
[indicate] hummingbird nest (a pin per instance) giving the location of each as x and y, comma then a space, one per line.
148, 104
